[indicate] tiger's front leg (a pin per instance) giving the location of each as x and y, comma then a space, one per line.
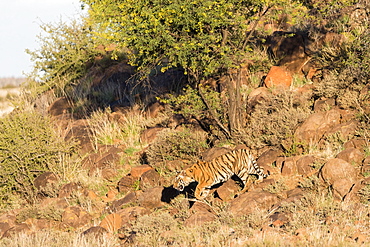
201, 191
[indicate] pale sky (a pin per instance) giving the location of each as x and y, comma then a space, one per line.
19, 26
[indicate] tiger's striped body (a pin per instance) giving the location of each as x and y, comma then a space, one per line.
238, 162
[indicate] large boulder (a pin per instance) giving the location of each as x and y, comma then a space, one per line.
316, 125
340, 175
251, 201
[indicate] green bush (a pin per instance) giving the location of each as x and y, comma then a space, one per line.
66, 52
28, 147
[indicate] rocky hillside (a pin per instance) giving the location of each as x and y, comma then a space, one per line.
307, 125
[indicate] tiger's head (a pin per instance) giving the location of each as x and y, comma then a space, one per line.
183, 179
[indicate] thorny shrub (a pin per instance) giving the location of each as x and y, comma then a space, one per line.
28, 147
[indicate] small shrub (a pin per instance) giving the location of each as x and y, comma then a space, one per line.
173, 144
364, 194
274, 121
28, 147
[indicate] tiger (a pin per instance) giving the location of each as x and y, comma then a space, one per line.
238, 162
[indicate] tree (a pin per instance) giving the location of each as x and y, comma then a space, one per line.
204, 37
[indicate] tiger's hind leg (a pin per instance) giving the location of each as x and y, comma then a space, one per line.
247, 184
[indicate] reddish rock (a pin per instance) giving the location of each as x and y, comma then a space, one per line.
346, 130
126, 184
365, 169
290, 166
199, 219
336, 169
356, 143
80, 131
304, 165
316, 125
131, 213
268, 157
45, 183
95, 231
149, 179
340, 175
40, 224
342, 187
152, 198
4, 226
75, 217
228, 190
199, 206
322, 105
213, 153
111, 222
154, 108
254, 200
137, 171
60, 107
351, 155
257, 96
17, 229
278, 77
70, 188
149, 135
118, 204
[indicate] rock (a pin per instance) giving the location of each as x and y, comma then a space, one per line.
152, 198
130, 214
126, 184
4, 226
279, 219
149, 179
137, 171
278, 77
17, 229
341, 187
316, 125
75, 217
356, 143
111, 222
213, 153
267, 159
335, 169
257, 96
60, 107
40, 224
322, 105
104, 162
118, 204
346, 130
351, 155
251, 201
153, 109
80, 131
199, 219
149, 135
95, 231
304, 165
290, 166
199, 206
365, 169
45, 183
228, 190
68, 189
340, 175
